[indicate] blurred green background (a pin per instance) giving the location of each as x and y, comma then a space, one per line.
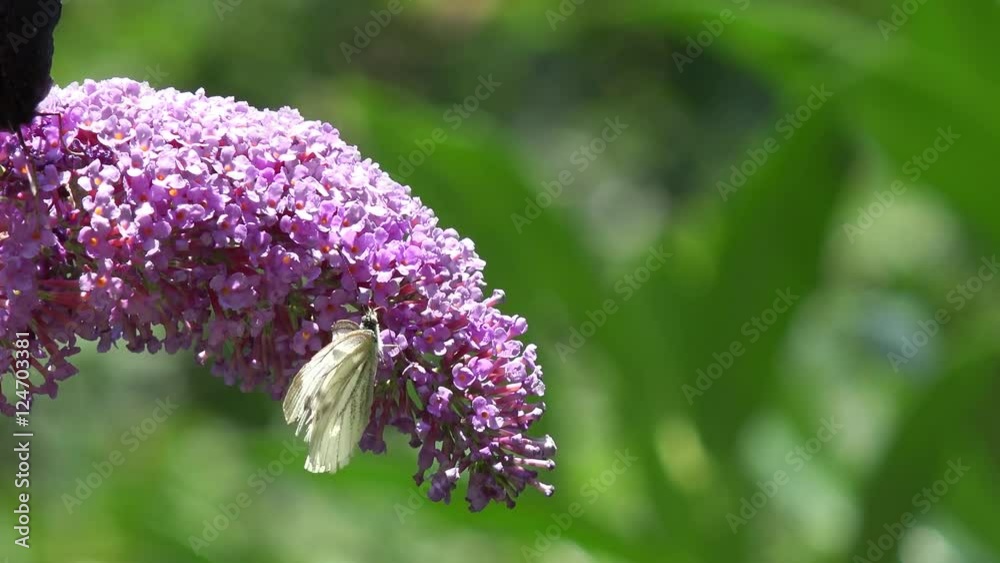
871, 206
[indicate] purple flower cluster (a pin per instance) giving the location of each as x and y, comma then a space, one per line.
243, 235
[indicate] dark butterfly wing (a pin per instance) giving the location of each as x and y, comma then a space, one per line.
26, 49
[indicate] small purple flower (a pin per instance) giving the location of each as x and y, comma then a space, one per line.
236, 291
33, 236
462, 376
438, 405
307, 339
95, 241
417, 373
435, 340
484, 415
328, 308
442, 484
243, 236
482, 368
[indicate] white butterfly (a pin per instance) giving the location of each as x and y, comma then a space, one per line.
331, 396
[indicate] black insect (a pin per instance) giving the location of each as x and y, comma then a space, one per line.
26, 47
26, 50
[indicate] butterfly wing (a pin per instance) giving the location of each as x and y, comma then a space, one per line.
25, 62
331, 398
307, 381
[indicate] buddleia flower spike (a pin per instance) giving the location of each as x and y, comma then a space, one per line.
246, 236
